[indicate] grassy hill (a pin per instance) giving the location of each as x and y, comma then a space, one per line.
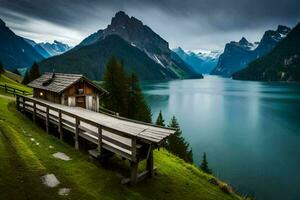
26, 154
4, 79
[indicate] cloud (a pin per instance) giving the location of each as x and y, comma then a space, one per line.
192, 24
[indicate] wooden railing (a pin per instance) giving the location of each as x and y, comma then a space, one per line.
106, 138
113, 140
12, 90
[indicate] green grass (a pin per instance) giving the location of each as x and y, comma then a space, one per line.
5, 80
23, 162
13, 76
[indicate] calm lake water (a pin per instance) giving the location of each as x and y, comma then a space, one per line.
249, 130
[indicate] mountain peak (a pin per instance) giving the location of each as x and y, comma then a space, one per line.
120, 18
283, 29
243, 41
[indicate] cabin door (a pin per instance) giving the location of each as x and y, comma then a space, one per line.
80, 101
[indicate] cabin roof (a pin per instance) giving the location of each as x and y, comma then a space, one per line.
59, 82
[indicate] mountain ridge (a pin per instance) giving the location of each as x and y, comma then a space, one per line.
237, 55
280, 64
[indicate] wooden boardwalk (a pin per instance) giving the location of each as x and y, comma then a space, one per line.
130, 139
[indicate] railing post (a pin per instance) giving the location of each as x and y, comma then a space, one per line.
133, 148
76, 132
99, 138
134, 172
23, 98
5, 88
34, 111
149, 164
59, 125
18, 102
14, 91
47, 119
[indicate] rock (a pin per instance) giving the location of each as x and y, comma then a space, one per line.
61, 156
50, 180
64, 191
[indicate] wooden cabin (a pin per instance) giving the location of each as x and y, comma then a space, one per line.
68, 89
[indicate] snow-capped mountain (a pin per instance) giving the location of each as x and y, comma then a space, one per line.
237, 55
202, 61
55, 48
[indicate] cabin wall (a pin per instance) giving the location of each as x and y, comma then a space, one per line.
46, 95
81, 94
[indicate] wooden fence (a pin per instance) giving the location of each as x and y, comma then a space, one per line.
106, 138
12, 90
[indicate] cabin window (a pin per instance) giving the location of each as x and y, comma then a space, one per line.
41, 94
80, 91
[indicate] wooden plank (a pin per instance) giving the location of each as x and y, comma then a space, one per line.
117, 151
117, 143
82, 128
64, 121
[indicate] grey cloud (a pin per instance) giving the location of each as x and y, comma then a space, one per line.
187, 21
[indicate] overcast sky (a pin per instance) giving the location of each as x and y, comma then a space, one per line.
191, 24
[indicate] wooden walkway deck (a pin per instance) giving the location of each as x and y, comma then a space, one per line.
130, 139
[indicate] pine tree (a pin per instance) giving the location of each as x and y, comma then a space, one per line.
137, 106
115, 81
26, 80
34, 72
160, 120
31, 74
177, 145
204, 165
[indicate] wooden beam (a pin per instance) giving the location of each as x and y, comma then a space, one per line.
99, 138
76, 133
47, 119
34, 111
133, 148
150, 162
59, 125
134, 173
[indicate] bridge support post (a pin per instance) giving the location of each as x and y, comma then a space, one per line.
47, 119
150, 165
134, 173
34, 111
59, 125
76, 133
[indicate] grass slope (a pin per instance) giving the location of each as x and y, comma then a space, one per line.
9, 82
24, 161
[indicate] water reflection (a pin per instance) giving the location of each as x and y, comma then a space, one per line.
250, 130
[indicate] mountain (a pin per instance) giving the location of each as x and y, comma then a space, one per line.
91, 60
142, 37
38, 48
281, 64
237, 55
201, 61
15, 52
55, 48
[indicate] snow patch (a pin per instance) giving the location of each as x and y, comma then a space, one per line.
50, 180
157, 60
61, 156
132, 44
64, 191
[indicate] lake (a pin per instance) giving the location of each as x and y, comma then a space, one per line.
249, 130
